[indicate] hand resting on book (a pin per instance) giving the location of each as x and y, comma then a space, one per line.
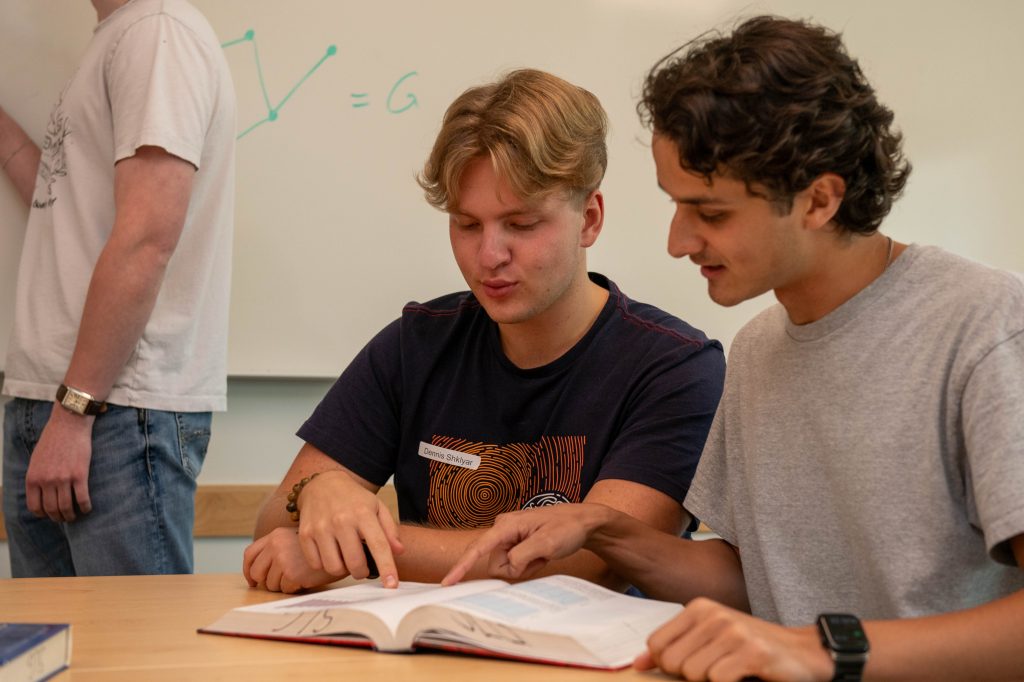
337, 516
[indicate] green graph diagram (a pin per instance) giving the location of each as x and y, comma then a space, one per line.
399, 99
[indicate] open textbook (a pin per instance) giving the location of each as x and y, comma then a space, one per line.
557, 619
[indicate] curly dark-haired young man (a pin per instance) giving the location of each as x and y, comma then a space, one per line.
866, 459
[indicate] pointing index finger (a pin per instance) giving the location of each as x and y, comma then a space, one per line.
480, 547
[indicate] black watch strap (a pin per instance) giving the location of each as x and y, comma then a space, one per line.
848, 671
844, 639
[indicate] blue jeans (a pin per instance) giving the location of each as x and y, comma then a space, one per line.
142, 482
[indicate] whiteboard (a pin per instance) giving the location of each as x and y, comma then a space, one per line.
339, 103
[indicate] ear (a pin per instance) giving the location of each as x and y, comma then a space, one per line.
823, 198
593, 218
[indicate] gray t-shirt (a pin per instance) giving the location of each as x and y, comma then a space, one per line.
873, 461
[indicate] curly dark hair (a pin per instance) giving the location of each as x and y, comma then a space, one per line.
777, 103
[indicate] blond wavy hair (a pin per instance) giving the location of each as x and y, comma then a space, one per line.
543, 135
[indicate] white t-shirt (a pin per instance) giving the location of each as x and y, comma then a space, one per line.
153, 74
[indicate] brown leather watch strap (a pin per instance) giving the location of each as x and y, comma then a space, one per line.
79, 402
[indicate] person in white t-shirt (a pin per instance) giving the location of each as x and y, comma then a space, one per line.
118, 351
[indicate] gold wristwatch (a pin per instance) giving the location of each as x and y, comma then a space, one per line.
79, 402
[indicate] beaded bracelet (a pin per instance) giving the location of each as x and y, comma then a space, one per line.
293, 512
293, 497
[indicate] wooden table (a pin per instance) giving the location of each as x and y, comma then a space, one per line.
144, 628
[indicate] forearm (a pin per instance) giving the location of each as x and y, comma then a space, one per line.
151, 197
431, 552
19, 156
120, 299
978, 643
666, 567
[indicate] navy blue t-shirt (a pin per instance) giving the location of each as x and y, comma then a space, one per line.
434, 401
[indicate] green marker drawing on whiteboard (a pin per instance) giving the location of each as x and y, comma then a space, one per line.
272, 110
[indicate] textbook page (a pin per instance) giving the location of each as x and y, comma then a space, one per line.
312, 615
558, 618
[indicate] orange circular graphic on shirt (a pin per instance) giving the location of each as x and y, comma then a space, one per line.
510, 477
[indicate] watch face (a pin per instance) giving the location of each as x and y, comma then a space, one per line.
843, 633
75, 402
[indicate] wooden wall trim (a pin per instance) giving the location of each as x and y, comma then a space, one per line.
225, 511
229, 511
222, 511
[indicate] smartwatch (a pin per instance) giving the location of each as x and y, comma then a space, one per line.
79, 402
843, 637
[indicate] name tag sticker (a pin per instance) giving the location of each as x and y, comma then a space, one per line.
446, 456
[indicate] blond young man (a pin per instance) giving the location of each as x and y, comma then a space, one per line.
541, 384
867, 457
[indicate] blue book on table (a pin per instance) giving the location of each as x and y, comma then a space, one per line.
33, 651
